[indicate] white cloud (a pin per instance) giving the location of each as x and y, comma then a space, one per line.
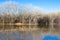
10, 7
33, 8
15, 7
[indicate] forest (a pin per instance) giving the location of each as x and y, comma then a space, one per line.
17, 15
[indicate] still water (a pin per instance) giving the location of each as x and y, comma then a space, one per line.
24, 35
27, 36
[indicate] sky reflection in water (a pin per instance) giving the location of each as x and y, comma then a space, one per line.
27, 36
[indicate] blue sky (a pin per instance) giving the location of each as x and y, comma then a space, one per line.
46, 5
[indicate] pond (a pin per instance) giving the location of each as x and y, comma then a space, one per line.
28, 36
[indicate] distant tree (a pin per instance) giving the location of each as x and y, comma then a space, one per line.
43, 22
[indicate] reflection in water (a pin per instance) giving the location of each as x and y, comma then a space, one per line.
16, 36
26, 36
51, 37
21, 35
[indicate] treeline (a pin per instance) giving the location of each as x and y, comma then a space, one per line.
40, 19
15, 14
